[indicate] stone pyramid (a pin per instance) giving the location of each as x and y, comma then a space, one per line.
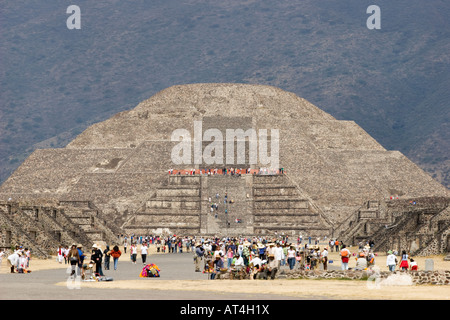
331, 167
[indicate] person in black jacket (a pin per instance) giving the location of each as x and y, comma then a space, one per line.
107, 254
96, 257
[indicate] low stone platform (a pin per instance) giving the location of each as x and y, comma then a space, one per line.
417, 277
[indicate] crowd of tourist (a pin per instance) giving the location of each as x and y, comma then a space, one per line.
259, 257
227, 171
254, 257
264, 256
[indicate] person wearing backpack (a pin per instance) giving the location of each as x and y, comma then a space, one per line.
345, 255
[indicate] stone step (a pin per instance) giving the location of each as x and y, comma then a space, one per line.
270, 179
290, 215
280, 203
177, 192
151, 215
181, 186
170, 211
282, 211
184, 180
162, 226
81, 220
291, 227
275, 198
284, 222
170, 203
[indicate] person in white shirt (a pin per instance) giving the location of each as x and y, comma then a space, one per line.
2, 254
325, 258
207, 246
256, 262
60, 254
133, 253
413, 264
27, 254
279, 254
66, 252
391, 261
331, 244
13, 260
239, 262
291, 257
125, 245
240, 248
144, 251
22, 263
270, 249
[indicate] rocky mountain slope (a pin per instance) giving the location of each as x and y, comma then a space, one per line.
392, 82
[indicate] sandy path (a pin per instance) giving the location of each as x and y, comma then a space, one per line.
334, 289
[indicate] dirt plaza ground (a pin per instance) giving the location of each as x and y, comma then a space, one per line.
178, 281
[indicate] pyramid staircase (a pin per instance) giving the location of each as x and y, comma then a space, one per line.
280, 207
14, 232
422, 228
362, 223
173, 208
44, 227
88, 222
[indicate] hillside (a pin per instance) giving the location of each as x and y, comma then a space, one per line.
392, 82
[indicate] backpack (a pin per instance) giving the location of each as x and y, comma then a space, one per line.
344, 253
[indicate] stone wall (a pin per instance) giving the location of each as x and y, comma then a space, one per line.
420, 225
43, 226
386, 277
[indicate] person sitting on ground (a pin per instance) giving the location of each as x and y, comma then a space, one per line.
218, 266
361, 262
370, 259
239, 263
271, 268
255, 267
